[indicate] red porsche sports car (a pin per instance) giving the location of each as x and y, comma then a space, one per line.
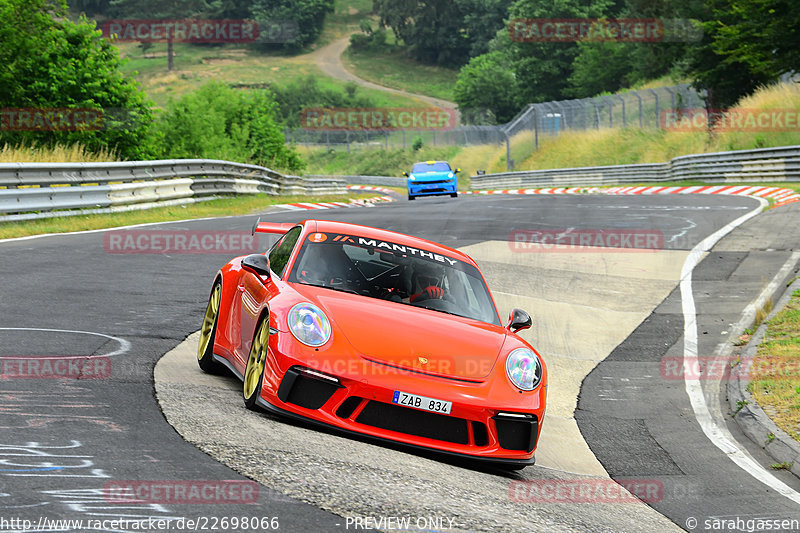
381, 334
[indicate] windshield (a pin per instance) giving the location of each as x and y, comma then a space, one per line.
394, 272
430, 167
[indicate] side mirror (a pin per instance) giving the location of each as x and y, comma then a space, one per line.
518, 320
257, 264
457, 171
405, 173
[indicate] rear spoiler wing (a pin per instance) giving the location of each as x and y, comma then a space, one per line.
278, 228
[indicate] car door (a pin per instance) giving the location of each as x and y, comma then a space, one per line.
255, 292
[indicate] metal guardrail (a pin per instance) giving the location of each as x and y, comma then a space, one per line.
764, 164
386, 181
37, 189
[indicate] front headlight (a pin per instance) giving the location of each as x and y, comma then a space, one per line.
412, 177
451, 175
309, 324
524, 369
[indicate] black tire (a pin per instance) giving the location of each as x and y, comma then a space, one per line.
411, 197
256, 362
454, 194
208, 332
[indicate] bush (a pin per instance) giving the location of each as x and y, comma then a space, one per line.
373, 41
305, 93
218, 122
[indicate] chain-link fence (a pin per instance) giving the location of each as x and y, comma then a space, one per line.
645, 108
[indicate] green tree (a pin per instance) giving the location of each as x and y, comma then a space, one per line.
52, 62
444, 32
486, 83
482, 19
609, 66
304, 18
90, 8
543, 69
219, 122
762, 34
728, 76
600, 67
173, 9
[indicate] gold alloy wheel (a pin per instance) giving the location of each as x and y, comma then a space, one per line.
209, 322
254, 371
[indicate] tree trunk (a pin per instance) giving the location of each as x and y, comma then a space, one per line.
170, 59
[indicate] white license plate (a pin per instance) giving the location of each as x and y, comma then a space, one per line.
421, 402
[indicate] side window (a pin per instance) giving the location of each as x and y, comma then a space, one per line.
279, 256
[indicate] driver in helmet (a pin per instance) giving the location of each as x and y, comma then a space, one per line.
426, 282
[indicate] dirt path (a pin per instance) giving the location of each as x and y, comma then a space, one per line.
329, 60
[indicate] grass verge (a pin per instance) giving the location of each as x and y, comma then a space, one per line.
370, 161
775, 374
240, 205
196, 65
393, 69
606, 146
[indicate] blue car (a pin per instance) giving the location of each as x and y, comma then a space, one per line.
432, 178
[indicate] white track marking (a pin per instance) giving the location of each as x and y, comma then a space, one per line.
719, 436
145, 224
124, 345
116, 228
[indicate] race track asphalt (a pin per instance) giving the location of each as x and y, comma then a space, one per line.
68, 443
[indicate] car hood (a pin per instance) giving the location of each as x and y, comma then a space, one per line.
432, 176
413, 338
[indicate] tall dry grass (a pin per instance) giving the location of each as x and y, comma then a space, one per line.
785, 98
75, 153
616, 146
